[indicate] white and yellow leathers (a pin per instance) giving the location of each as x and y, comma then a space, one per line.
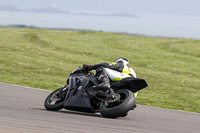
117, 76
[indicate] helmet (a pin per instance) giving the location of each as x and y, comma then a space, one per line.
121, 59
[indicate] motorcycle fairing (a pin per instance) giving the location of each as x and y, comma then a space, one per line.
75, 100
130, 83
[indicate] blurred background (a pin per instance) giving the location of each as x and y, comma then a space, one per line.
165, 18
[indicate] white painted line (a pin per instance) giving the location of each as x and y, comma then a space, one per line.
26, 87
171, 109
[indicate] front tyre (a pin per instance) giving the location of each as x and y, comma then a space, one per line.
53, 102
120, 108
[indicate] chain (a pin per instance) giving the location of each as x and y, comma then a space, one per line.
117, 97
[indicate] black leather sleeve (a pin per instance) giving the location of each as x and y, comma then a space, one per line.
118, 67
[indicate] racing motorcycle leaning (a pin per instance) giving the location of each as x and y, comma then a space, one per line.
79, 95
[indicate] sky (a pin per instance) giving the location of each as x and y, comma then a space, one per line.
176, 7
177, 18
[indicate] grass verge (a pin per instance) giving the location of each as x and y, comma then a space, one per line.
45, 58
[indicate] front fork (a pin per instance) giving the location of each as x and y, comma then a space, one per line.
62, 91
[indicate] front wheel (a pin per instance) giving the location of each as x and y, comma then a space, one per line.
54, 101
119, 108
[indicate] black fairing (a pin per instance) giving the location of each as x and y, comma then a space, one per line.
77, 71
130, 83
75, 100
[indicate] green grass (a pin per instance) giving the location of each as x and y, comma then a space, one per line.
45, 58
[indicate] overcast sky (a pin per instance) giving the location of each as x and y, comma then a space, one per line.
177, 7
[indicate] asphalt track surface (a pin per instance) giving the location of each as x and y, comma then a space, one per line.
22, 111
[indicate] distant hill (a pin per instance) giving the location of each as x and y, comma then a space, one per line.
47, 10
56, 10
108, 14
8, 8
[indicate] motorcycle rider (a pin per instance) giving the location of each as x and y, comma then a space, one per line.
116, 71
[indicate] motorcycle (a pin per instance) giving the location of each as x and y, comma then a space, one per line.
78, 95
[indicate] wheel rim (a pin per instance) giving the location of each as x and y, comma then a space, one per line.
53, 99
123, 97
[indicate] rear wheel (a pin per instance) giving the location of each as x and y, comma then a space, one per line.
54, 101
119, 108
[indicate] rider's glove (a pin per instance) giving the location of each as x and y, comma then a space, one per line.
86, 67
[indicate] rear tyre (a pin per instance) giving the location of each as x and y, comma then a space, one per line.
53, 102
119, 108
124, 115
